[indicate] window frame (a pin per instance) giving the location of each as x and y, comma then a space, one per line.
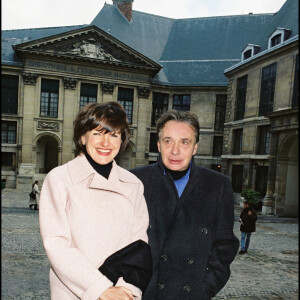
267, 89
88, 94
7, 131
181, 106
126, 102
160, 103
241, 94
9, 92
237, 141
49, 97
220, 112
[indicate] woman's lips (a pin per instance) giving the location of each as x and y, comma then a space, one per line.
104, 151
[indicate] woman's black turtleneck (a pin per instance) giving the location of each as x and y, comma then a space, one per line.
103, 170
176, 174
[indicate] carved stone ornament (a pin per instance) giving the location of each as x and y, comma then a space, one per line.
43, 125
70, 83
87, 48
143, 92
107, 87
29, 78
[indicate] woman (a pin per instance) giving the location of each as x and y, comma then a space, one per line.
33, 201
90, 208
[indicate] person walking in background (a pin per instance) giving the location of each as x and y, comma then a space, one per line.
247, 219
191, 216
34, 196
91, 209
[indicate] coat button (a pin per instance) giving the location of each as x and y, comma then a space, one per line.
164, 258
187, 288
161, 286
150, 226
204, 231
190, 261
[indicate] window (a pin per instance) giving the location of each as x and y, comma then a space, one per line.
9, 94
247, 54
237, 141
8, 160
263, 140
88, 94
217, 147
49, 98
182, 102
241, 91
276, 40
159, 106
153, 143
295, 100
8, 132
220, 112
125, 98
237, 178
267, 89
261, 180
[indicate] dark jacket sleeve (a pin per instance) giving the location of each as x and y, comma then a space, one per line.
133, 263
224, 248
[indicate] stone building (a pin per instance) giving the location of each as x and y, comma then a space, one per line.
151, 64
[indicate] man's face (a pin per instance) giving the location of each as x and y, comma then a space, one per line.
177, 145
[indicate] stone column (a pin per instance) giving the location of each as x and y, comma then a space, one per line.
27, 167
143, 125
268, 203
68, 117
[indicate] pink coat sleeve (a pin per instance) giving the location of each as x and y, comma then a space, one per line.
72, 268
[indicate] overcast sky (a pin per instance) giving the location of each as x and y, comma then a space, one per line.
19, 14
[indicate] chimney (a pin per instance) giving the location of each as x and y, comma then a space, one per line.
125, 7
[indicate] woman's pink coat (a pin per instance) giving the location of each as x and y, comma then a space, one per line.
84, 218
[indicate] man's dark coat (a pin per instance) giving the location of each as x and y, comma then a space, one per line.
248, 221
191, 237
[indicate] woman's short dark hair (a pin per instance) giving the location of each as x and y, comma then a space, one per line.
111, 116
179, 116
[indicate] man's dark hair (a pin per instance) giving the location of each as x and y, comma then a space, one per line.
179, 116
111, 116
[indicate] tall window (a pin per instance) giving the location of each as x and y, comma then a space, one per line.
241, 90
237, 141
159, 106
261, 180
217, 147
88, 94
263, 140
237, 178
220, 112
49, 98
182, 102
125, 97
295, 100
267, 89
9, 94
153, 142
8, 132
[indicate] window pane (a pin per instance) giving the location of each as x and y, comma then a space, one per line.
9, 94
267, 89
181, 102
8, 132
49, 98
88, 94
159, 106
125, 98
220, 112
241, 91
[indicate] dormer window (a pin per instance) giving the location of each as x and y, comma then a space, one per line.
279, 36
249, 51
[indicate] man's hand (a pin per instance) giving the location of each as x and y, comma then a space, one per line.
117, 293
249, 213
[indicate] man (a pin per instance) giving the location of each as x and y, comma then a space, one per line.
247, 219
191, 216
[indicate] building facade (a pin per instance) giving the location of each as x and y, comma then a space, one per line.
151, 64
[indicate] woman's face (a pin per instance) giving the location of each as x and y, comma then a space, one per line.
102, 147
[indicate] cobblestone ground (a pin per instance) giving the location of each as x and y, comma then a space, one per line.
268, 271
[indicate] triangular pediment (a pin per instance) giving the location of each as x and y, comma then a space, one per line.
87, 44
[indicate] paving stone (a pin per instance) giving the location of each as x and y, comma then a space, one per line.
268, 271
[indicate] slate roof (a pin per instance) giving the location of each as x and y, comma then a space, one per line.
194, 51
